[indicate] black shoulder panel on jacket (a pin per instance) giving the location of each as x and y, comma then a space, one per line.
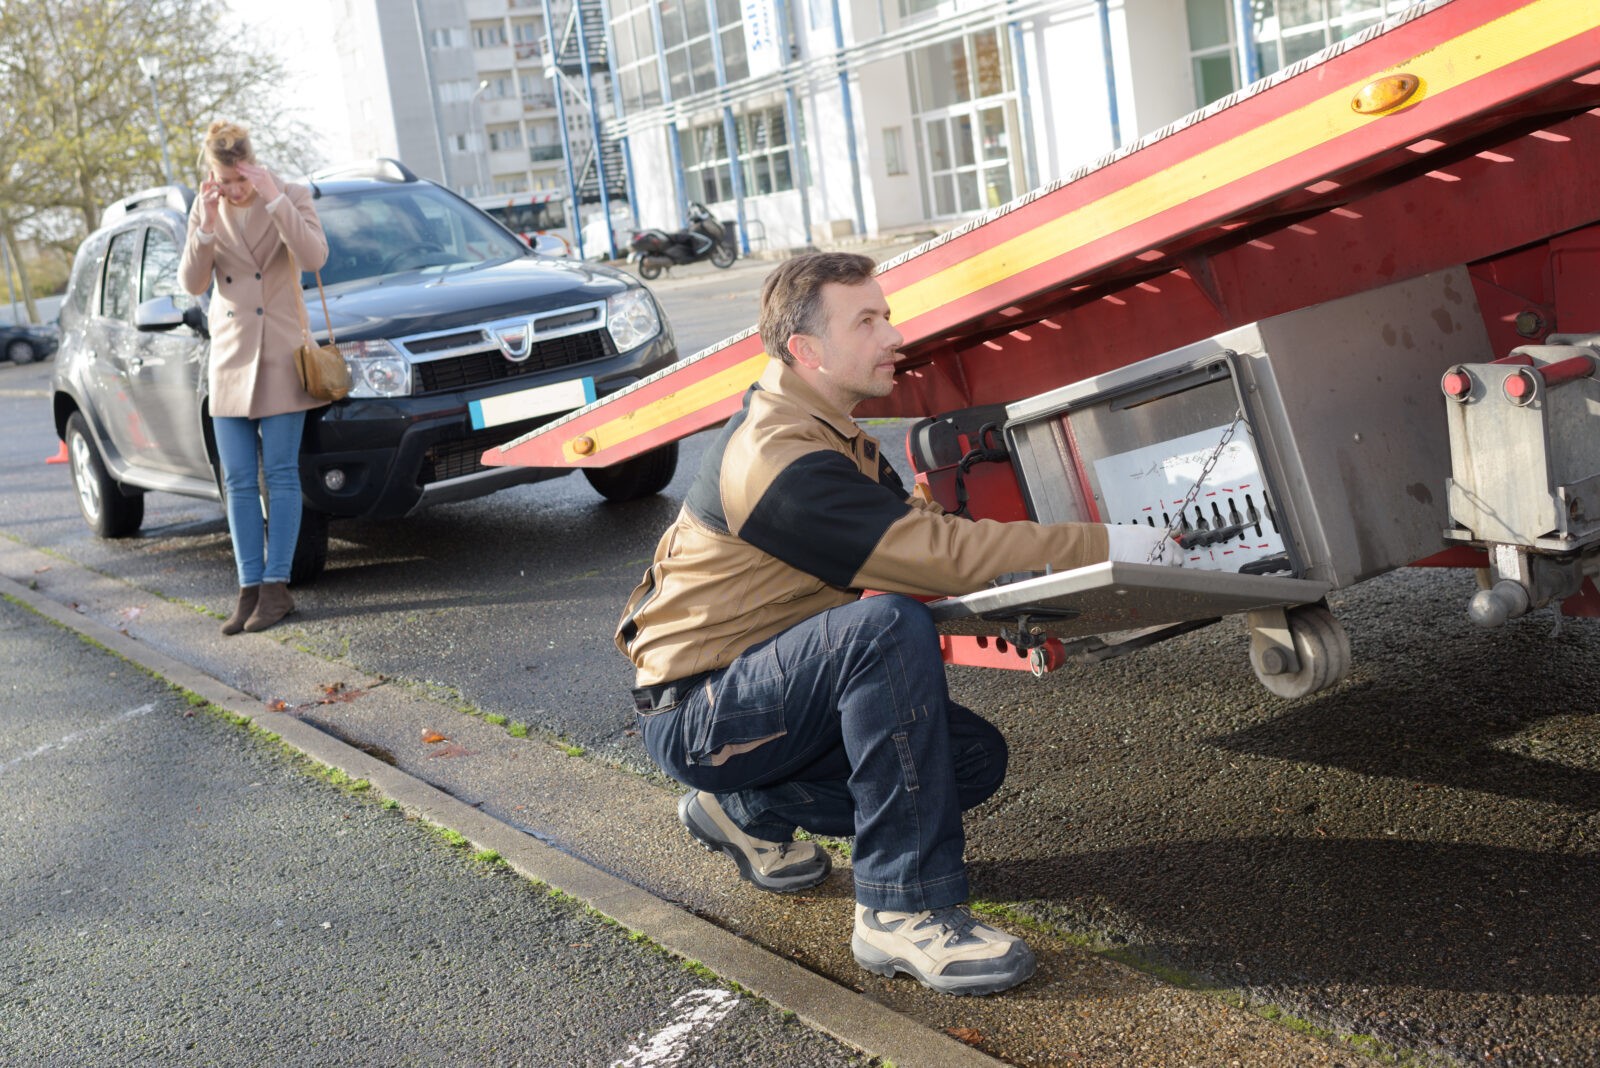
704, 499
823, 516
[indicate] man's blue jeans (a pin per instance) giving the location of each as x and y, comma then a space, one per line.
863, 740
275, 439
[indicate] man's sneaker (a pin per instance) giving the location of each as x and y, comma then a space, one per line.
782, 867
947, 949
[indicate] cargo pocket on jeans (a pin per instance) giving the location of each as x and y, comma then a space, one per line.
742, 710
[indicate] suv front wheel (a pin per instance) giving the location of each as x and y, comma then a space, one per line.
641, 476
109, 512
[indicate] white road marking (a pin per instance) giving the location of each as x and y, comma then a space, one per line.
700, 1011
78, 736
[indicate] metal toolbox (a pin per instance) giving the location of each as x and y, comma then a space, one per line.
1320, 432
1335, 434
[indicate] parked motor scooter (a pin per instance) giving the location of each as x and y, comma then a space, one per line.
705, 239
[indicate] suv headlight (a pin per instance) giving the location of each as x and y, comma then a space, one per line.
377, 369
632, 319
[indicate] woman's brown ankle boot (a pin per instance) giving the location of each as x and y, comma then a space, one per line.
274, 604
248, 595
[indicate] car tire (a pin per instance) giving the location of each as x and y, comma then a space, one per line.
109, 511
20, 351
641, 476
310, 549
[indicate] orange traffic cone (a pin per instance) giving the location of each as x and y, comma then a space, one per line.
61, 455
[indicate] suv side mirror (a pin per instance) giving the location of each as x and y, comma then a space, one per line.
163, 313
158, 313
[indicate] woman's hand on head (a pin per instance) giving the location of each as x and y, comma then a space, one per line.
210, 195
266, 186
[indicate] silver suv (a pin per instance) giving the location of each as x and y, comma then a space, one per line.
458, 337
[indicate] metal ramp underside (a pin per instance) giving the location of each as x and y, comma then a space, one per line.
1112, 596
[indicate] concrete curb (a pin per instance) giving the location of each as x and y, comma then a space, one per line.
852, 1019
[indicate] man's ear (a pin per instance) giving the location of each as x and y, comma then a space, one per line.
803, 351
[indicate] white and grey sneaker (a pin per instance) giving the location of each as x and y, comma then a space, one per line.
948, 950
782, 867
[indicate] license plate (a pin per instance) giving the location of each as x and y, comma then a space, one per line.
531, 403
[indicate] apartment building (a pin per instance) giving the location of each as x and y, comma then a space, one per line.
808, 120
461, 91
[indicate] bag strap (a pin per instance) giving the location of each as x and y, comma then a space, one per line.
327, 320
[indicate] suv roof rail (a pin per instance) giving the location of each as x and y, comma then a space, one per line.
382, 168
176, 197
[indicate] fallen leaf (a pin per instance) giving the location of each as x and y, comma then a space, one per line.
450, 749
277, 705
968, 1035
333, 688
432, 737
41, 570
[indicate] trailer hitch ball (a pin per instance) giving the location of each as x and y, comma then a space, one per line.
1492, 607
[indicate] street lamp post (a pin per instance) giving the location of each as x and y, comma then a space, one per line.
483, 135
151, 66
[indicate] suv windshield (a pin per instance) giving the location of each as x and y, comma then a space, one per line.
409, 228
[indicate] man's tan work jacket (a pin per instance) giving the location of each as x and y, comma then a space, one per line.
795, 511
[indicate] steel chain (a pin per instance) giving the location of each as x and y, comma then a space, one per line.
1194, 491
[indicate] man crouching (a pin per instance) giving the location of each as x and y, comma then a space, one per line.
784, 698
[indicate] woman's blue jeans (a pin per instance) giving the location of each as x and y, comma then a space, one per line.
861, 738
274, 443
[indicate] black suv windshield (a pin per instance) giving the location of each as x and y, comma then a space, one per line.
413, 227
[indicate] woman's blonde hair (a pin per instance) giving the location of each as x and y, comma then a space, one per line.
228, 144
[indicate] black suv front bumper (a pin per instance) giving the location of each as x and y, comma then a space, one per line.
401, 453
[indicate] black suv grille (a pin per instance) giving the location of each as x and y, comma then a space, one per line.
453, 459
491, 365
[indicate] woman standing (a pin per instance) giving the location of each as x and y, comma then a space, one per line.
243, 228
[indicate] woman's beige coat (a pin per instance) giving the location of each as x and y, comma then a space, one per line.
257, 311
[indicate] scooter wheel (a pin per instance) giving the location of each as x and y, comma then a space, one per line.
649, 269
723, 256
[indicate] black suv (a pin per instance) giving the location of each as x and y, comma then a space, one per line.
458, 337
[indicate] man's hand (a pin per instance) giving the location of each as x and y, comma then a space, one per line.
261, 179
1135, 543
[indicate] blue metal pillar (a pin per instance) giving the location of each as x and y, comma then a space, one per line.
849, 121
730, 130
566, 142
594, 127
791, 118
1109, 59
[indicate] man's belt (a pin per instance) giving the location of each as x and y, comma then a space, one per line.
665, 694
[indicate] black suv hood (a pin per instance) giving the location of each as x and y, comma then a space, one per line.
421, 302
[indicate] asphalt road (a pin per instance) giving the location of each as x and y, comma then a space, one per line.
1411, 857
179, 892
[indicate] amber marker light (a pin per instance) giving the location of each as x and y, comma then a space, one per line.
1386, 93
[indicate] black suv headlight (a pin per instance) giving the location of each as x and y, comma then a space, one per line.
631, 318
377, 369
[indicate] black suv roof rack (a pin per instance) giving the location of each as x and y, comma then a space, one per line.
176, 197
382, 168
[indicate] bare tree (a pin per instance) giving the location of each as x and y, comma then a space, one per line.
81, 131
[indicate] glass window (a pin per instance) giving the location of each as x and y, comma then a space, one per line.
1210, 24
893, 158
672, 35
988, 64
158, 276
412, 228
117, 292
1213, 78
